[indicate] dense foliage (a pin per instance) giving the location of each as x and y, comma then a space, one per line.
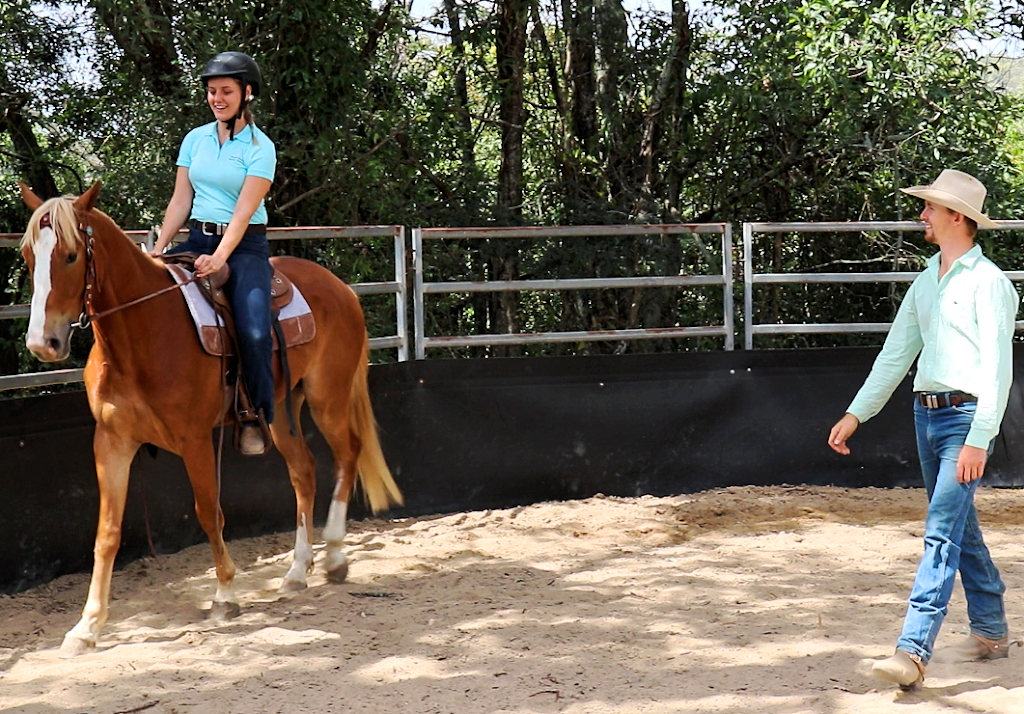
537, 112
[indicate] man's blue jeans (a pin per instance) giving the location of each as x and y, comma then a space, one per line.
248, 289
952, 539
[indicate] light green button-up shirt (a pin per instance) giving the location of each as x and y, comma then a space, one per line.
962, 327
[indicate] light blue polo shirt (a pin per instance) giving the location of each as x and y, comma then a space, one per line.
217, 172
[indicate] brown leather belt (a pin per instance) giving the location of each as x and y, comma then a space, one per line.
936, 400
218, 229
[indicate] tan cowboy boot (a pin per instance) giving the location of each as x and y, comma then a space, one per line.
977, 648
251, 441
902, 668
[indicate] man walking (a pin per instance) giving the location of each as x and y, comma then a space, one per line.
957, 319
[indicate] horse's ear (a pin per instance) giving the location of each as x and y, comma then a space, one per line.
31, 200
87, 200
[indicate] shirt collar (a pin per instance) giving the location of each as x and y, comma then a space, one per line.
971, 257
968, 259
245, 135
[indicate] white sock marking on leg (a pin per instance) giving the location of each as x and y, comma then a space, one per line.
334, 531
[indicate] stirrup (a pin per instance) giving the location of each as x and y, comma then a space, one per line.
246, 433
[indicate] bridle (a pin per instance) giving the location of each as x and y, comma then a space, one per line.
88, 314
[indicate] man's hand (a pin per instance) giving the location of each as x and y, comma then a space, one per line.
842, 431
970, 465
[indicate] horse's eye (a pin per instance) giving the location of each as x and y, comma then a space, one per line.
72, 257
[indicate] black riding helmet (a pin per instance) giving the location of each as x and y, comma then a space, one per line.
236, 65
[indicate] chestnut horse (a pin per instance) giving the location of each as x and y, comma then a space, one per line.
148, 380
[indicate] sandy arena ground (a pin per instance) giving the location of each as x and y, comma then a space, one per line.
744, 600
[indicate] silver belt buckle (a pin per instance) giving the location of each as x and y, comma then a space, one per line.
202, 227
933, 401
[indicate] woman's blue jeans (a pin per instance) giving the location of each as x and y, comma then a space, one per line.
952, 539
248, 289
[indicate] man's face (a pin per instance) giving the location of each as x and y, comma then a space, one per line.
938, 221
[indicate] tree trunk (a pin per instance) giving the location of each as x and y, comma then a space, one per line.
580, 65
552, 67
511, 57
667, 97
143, 31
679, 131
481, 302
377, 30
613, 61
31, 163
461, 88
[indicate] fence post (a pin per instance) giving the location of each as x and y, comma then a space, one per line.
728, 320
748, 285
417, 296
402, 296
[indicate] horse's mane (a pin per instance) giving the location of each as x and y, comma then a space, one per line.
62, 218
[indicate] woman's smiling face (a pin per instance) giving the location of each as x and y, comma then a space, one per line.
224, 95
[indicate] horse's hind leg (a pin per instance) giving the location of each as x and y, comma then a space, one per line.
113, 463
335, 560
201, 466
331, 414
302, 472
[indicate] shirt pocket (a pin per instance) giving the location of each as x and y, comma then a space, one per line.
958, 312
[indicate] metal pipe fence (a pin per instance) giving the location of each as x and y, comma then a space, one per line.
750, 278
396, 287
422, 287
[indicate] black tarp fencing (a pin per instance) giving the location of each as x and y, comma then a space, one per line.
475, 434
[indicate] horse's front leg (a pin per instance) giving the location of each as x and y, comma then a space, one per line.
113, 462
200, 462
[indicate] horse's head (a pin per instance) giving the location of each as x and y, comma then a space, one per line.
54, 248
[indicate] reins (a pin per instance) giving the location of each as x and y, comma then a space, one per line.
87, 316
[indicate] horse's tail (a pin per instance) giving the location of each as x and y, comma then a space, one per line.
379, 486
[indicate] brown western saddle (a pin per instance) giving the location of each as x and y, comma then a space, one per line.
291, 320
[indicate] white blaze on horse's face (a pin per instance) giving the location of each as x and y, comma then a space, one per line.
49, 329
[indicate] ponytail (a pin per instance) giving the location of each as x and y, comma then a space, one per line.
247, 115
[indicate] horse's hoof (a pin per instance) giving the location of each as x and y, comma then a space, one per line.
292, 586
222, 611
75, 646
339, 574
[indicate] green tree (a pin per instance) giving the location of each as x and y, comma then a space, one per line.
537, 112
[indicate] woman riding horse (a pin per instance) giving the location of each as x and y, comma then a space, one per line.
86, 271
225, 169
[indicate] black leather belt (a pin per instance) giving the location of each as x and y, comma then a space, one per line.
218, 229
936, 400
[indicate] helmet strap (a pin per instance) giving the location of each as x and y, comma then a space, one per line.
230, 123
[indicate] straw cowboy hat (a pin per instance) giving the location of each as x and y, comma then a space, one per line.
959, 192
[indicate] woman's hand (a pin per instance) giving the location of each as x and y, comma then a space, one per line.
208, 265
